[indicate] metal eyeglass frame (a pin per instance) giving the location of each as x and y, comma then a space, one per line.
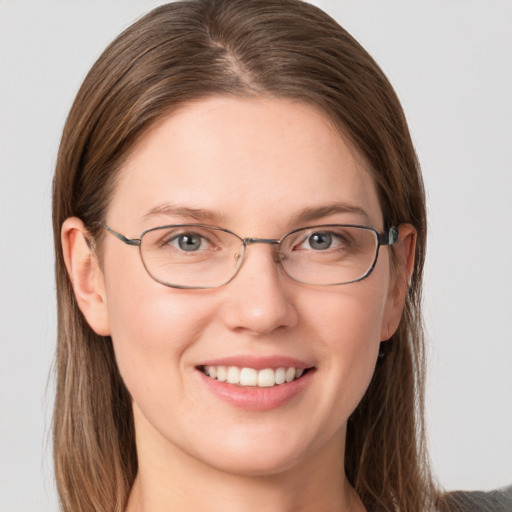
389, 237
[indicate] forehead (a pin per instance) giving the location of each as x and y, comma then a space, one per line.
251, 162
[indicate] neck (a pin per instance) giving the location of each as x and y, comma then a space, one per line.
170, 480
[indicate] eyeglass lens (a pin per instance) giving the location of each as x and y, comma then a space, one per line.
194, 256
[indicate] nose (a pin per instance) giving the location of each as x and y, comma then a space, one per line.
260, 299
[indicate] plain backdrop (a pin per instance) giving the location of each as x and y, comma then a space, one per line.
450, 61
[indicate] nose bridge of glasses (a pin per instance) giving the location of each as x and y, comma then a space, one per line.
270, 241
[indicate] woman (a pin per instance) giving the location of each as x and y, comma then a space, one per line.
263, 342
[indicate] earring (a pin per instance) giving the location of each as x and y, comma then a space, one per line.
382, 350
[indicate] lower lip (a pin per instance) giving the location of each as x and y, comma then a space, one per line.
256, 398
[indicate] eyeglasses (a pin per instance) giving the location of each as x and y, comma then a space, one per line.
202, 256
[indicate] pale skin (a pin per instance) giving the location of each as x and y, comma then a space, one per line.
252, 166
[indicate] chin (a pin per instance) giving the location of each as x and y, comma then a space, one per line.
263, 464
260, 454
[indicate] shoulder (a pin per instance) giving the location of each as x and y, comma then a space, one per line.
477, 501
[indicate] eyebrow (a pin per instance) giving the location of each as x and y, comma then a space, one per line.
314, 213
306, 215
176, 210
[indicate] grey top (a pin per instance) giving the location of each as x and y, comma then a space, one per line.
478, 501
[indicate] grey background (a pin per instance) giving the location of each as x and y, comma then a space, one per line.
450, 61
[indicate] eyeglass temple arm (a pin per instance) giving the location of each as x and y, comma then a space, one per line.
128, 241
390, 237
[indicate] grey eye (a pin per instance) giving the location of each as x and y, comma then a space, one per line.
189, 242
320, 241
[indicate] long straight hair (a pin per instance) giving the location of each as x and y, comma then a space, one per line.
181, 52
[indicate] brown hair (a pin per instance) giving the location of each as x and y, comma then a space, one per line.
180, 52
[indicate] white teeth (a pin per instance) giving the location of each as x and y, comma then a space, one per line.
280, 375
265, 378
248, 377
233, 375
222, 373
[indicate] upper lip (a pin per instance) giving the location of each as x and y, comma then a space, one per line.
258, 363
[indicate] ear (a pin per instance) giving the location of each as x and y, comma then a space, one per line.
85, 275
401, 271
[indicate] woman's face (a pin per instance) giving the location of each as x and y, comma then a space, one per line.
259, 168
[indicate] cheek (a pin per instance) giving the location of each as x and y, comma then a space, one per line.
352, 315
152, 326
348, 325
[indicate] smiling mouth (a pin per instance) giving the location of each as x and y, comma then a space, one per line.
250, 377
